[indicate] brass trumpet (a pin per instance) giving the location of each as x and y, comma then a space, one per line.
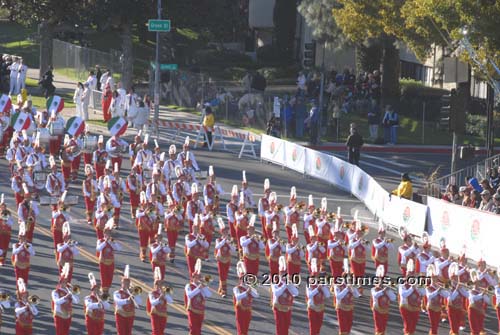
317, 213
346, 225
389, 240
178, 208
75, 289
300, 206
206, 280
104, 297
34, 299
4, 296
136, 290
166, 290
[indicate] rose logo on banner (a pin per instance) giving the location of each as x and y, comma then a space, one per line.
445, 221
475, 230
318, 163
342, 172
272, 147
406, 215
294, 154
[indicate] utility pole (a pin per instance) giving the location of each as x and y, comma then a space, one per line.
321, 89
157, 76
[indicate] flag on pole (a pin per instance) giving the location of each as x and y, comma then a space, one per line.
75, 126
5, 104
117, 126
20, 121
55, 103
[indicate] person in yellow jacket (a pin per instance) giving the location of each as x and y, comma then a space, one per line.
405, 187
208, 124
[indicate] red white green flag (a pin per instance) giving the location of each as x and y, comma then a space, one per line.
117, 126
20, 121
55, 103
5, 104
75, 126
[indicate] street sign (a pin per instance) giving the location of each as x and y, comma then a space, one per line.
166, 67
159, 25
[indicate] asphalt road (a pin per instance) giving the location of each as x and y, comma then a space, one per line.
219, 317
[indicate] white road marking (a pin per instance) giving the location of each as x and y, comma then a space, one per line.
406, 166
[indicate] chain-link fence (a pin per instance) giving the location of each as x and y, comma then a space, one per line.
75, 61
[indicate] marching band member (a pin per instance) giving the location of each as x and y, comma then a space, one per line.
243, 295
241, 216
10, 155
110, 199
294, 254
114, 149
159, 252
185, 154
357, 252
443, 263
224, 248
106, 248
292, 214
24, 309
196, 293
188, 169
144, 226
66, 251
337, 251
247, 192
36, 163
251, 246
315, 249
135, 146
118, 189
283, 295
275, 247
95, 307
99, 158
108, 175
125, 305
174, 222
56, 120
154, 159
380, 248
155, 188
171, 163
17, 185
134, 187
407, 251
142, 156
212, 191
231, 209
344, 302
77, 143
24, 149
181, 190
322, 224
156, 305
55, 184
196, 246
67, 157
436, 296
207, 227
424, 257
4, 304
316, 293
264, 207
21, 255
63, 298
456, 299
380, 300
309, 218
410, 300
59, 217
27, 212
87, 156
5, 229
273, 215
484, 275
496, 299
89, 190
194, 206
101, 217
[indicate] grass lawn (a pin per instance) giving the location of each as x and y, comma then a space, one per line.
40, 101
97, 122
18, 40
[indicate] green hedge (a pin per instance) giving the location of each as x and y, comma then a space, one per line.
413, 96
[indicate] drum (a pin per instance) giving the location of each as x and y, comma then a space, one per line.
56, 129
31, 129
39, 178
147, 174
201, 174
123, 150
89, 144
70, 200
43, 137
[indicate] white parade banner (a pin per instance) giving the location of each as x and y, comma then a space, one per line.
319, 165
400, 212
272, 149
295, 157
461, 227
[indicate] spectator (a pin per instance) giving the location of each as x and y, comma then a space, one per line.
373, 119
475, 199
312, 122
486, 201
98, 75
301, 84
485, 184
77, 99
300, 115
474, 184
354, 144
208, 124
47, 82
451, 194
405, 188
494, 178
391, 124
87, 93
496, 204
465, 194
272, 127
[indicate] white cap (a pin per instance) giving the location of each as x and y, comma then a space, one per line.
66, 229
205, 199
210, 170
252, 220
108, 165
162, 157
52, 161
63, 196
324, 204
244, 173
160, 229
338, 211
295, 231
310, 201
100, 139
410, 266
25, 188
2, 199
293, 193
92, 280
267, 184
310, 230
156, 144
234, 191
346, 265
66, 139
194, 188
172, 150
380, 272
221, 224
21, 285
356, 212
22, 228
117, 167
157, 273
65, 271
197, 267
242, 198
273, 197
143, 197
188, 156
126, 272
282, 264
314, 265
241, 269
146, 139
186, 141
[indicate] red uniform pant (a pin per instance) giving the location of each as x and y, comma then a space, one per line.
358, 269
144, 238
289, 233
454, 317
116, 160
134, 202
70, 272
19, 198
158, 324
89, 207
106, 272
283, 321
162, 269
252, 266
239, 234
57, 236
410, 320
337, 268
307, 237
99, 170
124, 326
243, 318
315, 321
22, 273
293, 270
385, 264
87, 158
380, 321
99, 233
434, 319
274, 268
345, 321
23, 330
94, 327
476, 320
54, 145
30, 232
62, 325
191, 262
264, 230
4, 244
232, 230
75, 166
498, 317
172, 236
223, 269
195, 323
66, 170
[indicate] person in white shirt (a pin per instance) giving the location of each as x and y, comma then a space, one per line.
87, 97
77, 99
14, 72
243, 296
197, 291
21, 76
95, 306
63, 299
283, 295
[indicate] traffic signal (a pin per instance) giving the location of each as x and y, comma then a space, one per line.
452, 113
444, 113
309, 58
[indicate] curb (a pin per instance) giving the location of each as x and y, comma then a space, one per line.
395, 149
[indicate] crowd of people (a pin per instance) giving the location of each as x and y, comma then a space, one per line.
13, 73
167, 203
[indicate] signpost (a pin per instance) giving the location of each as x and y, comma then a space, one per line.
159, 25
166, 67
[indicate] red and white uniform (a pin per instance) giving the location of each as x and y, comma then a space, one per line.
62, 310
195, 248
315, 298
496, 303
273, 252
17, 186
435, 297
263, 208
144, 225
207, 227
100, 220
478, 302
423, 260
380, 301
231, 210
294, 256
124, 312
56, 225
5, 235
158, 255
242, 299
223, 252
174, 223
21, 258
292, 216
99, 159
272, 219
106, 254
251, 253
55, 184
156, 307
94, 314
283, 296
406, 253
134, 188
25, 314
380, 252
309, 220
27, 212
344, 304
194, 298
241, 225
315, 250
66, 253
112, 146
323, 230
357, 255
442, 266
410, 304
89, 190
337, 251
193, 207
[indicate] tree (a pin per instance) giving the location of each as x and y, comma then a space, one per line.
285, 18
318, 15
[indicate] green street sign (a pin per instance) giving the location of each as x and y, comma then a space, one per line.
166, 67
159, 25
